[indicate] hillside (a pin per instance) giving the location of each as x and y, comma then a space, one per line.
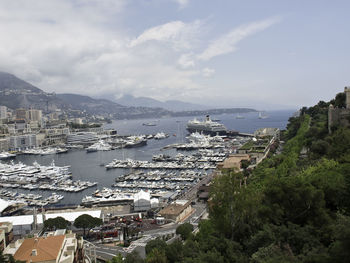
295, 206
171, 105
16, 93
9, 82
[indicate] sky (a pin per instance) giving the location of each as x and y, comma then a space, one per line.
265, 54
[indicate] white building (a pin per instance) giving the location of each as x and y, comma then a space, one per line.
3, 112
34, 115
23, 142
54, 247
82, 137
142, 201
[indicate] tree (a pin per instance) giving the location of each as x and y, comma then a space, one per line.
133, 257
86, 221
56, 223
156, 243
116, 259
174, 252
184, 230
156, 256
340, 100
8, 258
291, 199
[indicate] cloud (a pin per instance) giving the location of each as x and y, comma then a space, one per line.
177, 33
208, 72
72, 47
182, 3
227, 43
186, 60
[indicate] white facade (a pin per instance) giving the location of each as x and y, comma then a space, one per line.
82, 137
3, 112
23, 142
142, 201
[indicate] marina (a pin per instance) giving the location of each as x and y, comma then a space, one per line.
91, 166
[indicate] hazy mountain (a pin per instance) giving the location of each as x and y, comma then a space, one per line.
11, 82
171, 105
16, 93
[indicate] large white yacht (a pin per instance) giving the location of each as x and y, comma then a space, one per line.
99, 146
207, 127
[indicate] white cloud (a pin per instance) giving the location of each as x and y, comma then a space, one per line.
208, 72
177, 33
186, 60
182, 3
227, 43
82, 46
67, 48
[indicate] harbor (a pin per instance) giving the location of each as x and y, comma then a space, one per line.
162, 162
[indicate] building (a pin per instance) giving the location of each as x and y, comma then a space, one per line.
177, 211
233, 161
18, 126
56, 135
203, 193
339, 116
21, 114
55, 247
82, 137
4, 144
142, 201
2, 240
268, 132
3, 112
7, 228
34, 115
23, 142
25, 224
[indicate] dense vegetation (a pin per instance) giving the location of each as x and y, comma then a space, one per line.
294, 208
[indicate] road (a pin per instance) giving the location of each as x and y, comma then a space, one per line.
107, 252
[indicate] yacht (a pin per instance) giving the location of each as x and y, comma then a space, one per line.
160, 135
149, 124
6, 155
99, 146
238, 116
262, 115
207, 127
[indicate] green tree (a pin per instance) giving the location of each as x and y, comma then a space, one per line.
339, 249
340, 100
156, 256
184, 230
116, 259
291, 199
156, 243
56, 223
86, 221
174, 252
133, 257
8, 258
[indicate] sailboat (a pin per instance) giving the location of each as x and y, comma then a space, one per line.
262, 115
238, 116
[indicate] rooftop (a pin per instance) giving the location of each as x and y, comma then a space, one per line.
174, 208
40, 249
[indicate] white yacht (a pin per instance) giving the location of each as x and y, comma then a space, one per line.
99, 146
207, 126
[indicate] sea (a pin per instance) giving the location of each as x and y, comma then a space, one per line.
90, 166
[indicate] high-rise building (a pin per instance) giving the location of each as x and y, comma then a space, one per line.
21, 114
3, 112
34, 115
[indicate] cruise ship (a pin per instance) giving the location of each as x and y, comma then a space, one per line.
207, 127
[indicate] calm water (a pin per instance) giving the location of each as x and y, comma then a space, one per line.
87, 166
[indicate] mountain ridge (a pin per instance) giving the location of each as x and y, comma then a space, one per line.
16, 93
